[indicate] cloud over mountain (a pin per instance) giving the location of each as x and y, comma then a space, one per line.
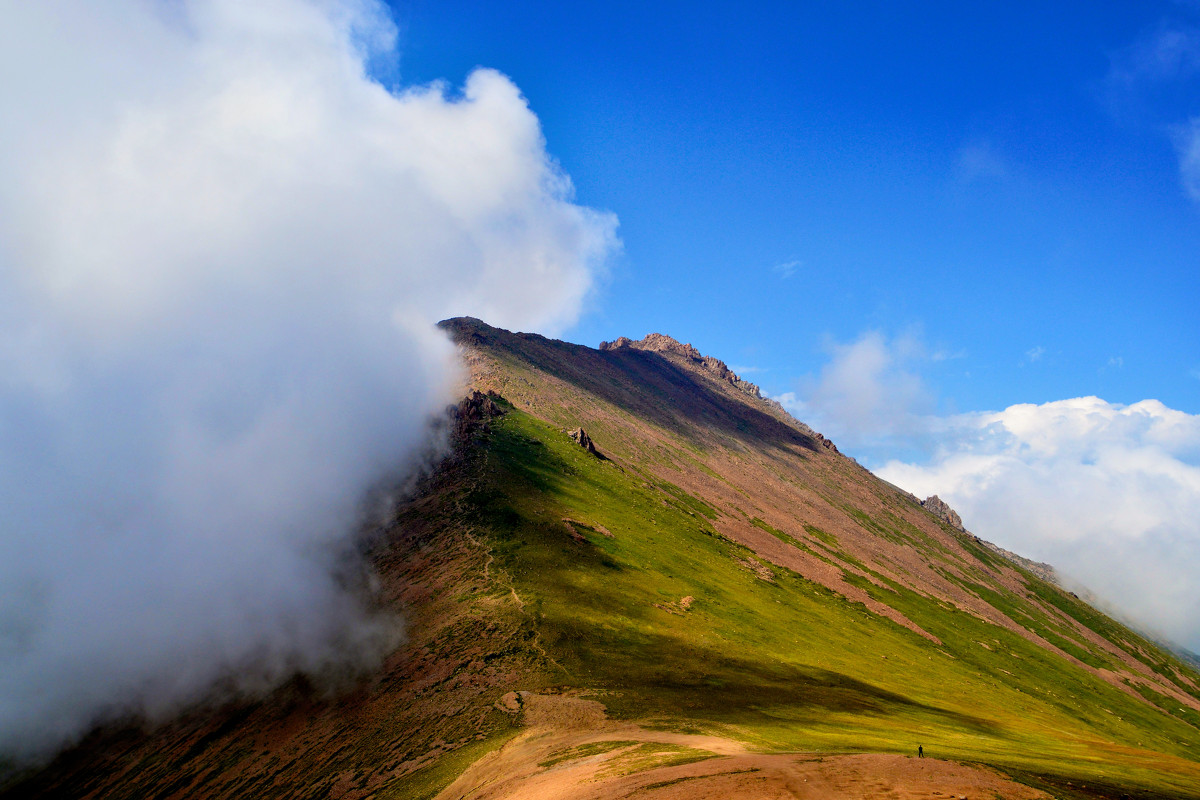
1108, 493
222, 246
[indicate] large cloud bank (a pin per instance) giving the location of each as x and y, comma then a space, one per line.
222, 246
1108, 493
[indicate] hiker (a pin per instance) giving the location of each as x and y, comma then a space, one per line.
920, 751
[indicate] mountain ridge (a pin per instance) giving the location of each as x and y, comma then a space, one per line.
721, 603
662, 343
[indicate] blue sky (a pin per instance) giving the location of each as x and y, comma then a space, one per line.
936, 232
1001, 178
961, 241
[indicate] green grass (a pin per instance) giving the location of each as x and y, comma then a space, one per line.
653, 755
586, 751
827, 538
790, 665
428, 782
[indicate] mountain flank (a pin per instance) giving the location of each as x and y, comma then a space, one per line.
709, 600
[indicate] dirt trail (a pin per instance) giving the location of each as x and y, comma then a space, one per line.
569, 750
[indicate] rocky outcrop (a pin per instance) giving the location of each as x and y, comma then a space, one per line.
658, 343
474, 412
1038, 568
939, 508
583, 440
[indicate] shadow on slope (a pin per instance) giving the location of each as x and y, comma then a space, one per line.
644, 384
653, 673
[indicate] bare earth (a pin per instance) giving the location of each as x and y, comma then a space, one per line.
570, 751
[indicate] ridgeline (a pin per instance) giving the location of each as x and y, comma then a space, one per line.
634, 576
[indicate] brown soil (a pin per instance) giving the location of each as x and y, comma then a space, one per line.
537, 766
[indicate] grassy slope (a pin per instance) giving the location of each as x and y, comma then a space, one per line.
788, 663
500, 594
785, 664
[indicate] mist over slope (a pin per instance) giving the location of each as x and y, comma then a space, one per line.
222, 249
717, 592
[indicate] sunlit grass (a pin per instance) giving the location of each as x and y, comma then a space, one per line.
788, 664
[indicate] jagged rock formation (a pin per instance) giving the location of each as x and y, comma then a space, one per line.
583, 440
474, 412
1042, 570
941, 509
826, 443
660, 343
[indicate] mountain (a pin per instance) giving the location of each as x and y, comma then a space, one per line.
632, 575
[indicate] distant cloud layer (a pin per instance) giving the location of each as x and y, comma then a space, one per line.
1108, 493
222, 246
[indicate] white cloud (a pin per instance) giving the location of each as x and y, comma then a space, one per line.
786, 269
869, 393
222, 249
947, 355
1035, 354
1187, 145
1108, 493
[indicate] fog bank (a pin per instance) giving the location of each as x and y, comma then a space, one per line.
222, 249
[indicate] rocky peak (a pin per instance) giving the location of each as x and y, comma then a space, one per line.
939, 508
466, 330
660, 343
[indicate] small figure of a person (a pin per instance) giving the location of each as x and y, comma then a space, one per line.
920, 751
